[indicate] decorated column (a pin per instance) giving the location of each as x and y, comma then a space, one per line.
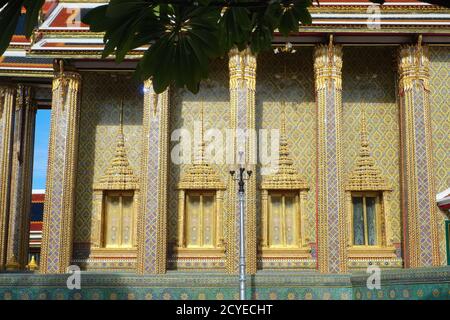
20, 188
242, 65
60, 189
7, 105
331, 248
152, 224
419, 208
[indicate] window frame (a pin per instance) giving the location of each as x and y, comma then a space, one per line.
121, 194
378, 215
298, 224
201, 194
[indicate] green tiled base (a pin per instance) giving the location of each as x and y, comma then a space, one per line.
433, 283
407, 284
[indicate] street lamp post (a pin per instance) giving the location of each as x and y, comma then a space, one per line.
241, 182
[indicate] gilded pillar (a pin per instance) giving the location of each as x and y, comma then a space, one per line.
7, 105
419, 210
242, 66
21, 169
152, 223
331, 227
61, 173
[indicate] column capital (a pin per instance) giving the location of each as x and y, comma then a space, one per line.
242, 66
67, 75
328, 65
413, 65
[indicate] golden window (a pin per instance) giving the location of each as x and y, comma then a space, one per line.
119, 220
283, 227
200, 220
366, 210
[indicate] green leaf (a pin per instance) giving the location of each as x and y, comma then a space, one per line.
32, 14
234, 27
9, 17
123, 8
305, 16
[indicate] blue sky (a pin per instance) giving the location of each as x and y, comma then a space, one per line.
41, 141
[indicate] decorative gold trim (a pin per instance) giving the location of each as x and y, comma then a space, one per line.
371, 252
286, 253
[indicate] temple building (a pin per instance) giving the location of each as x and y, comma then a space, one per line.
360, 99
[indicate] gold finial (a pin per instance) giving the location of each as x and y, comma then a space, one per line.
201, 118
32, 265
121, 114
61, 66
283, 118
364, 138
201, 145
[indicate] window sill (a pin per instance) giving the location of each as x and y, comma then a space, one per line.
286, 252
371, 252
113, 252
199, 252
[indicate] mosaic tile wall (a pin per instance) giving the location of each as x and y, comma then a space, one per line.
413, 284
99, 125
184, 111
440, 125
296, 87
369, 83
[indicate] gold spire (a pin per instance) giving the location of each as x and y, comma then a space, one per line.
201, 145
32, 265
287, 176
365, 176
119, 175
200, 175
